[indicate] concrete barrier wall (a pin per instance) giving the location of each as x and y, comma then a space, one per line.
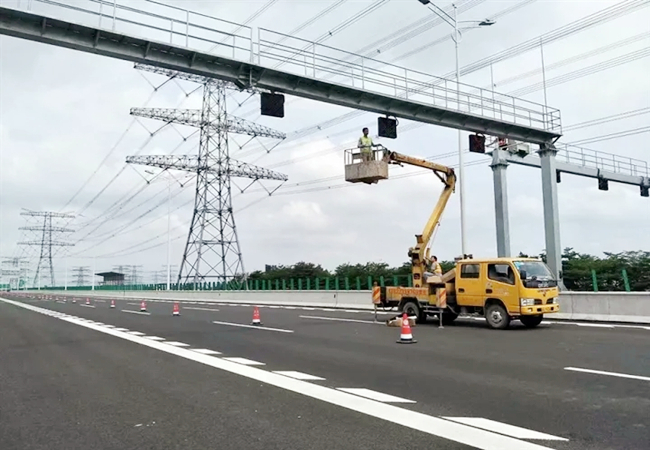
626, 307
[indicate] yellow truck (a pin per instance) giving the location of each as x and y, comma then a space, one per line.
499, 289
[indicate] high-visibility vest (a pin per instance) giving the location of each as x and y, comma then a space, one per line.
365, 142
437, 268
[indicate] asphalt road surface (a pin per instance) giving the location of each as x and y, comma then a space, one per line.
76, 376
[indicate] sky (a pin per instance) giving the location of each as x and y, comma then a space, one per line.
65, 131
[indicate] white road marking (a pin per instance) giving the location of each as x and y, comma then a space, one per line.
274, 307
244, 361
154, 338
205, 351
374, 395
200, 309
289, 307
123, 329
256, 327
420, 422
109, 326
504, 428
298, 375
337, 319
177, 344
136, 333
327, 309
134, 304
136, 312
308, 309
594, 325
611, 374
86, 306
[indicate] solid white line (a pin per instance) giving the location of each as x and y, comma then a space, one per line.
336, 319
86, 306
244, 361
504, 428
298, 375
177, 344
205, 351
374, 395
594, 325
136, 312
256, 327
200, 309
420, 422
611, 374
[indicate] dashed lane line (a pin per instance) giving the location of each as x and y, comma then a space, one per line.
205, 351
446, 429
504, 428
298, 375
177, 344
86, 306
244, 361
374, 395
153, 338
611, 374
136, 312
195, 308
337, 319
255, 327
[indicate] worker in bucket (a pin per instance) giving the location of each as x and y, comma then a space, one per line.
433, 266
365, 144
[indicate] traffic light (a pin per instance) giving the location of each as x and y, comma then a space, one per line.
603, 184
476, 143
272, 104
387, 127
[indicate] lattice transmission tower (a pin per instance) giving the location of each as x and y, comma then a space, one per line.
82, 273
47, 241
212, 251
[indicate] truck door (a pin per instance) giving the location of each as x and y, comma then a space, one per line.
468, 286
501, 284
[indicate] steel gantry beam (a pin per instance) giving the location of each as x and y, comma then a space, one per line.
311, 72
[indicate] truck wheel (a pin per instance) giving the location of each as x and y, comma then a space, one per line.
412, 308
531, 321
497, 317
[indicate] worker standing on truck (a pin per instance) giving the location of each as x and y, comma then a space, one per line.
365, 144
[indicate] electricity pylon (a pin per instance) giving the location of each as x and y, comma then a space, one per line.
212, 250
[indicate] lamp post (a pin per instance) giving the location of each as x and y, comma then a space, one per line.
453, 22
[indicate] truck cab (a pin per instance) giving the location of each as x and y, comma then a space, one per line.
503, 289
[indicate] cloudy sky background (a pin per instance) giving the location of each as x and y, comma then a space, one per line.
65, 131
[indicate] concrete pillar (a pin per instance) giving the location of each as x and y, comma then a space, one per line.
547, 154
499, 166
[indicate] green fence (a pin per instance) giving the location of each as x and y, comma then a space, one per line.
278, 284
589, 281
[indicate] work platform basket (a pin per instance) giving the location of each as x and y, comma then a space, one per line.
361, 170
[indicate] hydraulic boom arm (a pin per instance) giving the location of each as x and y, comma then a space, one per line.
448, 177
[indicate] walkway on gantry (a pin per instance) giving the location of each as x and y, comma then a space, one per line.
187, 41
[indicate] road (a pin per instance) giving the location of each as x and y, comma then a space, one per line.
75, 376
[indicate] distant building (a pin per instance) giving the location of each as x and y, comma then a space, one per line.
111, 278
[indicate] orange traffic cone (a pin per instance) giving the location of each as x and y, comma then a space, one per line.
87, 301
112, 303
143, 306
176, 311
74, 299
405, 334
256, 316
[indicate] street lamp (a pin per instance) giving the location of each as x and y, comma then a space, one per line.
453, 22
